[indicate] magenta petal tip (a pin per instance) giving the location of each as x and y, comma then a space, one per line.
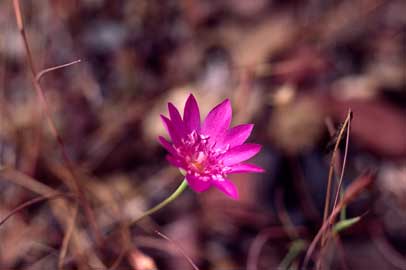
228, 188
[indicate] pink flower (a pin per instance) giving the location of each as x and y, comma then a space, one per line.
208, 152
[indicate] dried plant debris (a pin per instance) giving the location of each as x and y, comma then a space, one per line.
82, 85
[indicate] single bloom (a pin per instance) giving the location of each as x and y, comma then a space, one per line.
208, 152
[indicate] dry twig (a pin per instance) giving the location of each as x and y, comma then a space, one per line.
67, 237
44, 104
179, 248
45, 71
29, 203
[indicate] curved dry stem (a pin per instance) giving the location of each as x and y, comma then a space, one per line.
261, 239
389, 254
331, 172
347, 142
45, 71
29, 203
44, 104
256, 247
179, 248
352, 192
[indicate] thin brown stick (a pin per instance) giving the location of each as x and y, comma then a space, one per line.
335, 168
43, 101
45, 71
347, 142
179, 248
352, 192
332, 131
67, 237
59, 208
259, 241
331, 172
29, 203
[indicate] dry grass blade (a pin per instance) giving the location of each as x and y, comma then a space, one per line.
352, 192
179, 248
29, 203
26, 181
347, 141
45, 71
335, 167
331, 171
67, 237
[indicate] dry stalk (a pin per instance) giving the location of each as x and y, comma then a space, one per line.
44, 104
29, 203
360, 184
68, 235
179, 248
347, 141
59, 207
331, 171
45, 71
335, 168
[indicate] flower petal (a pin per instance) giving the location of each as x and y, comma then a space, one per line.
167, 145
218, 120
191, 114
176, 118
174, 162
227, 187
237, 135
240, 153
246, 168
196, 184
173, 132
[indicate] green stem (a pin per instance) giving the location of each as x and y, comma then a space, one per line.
162, 204
295, 249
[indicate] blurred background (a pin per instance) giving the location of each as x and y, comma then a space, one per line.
293, 68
